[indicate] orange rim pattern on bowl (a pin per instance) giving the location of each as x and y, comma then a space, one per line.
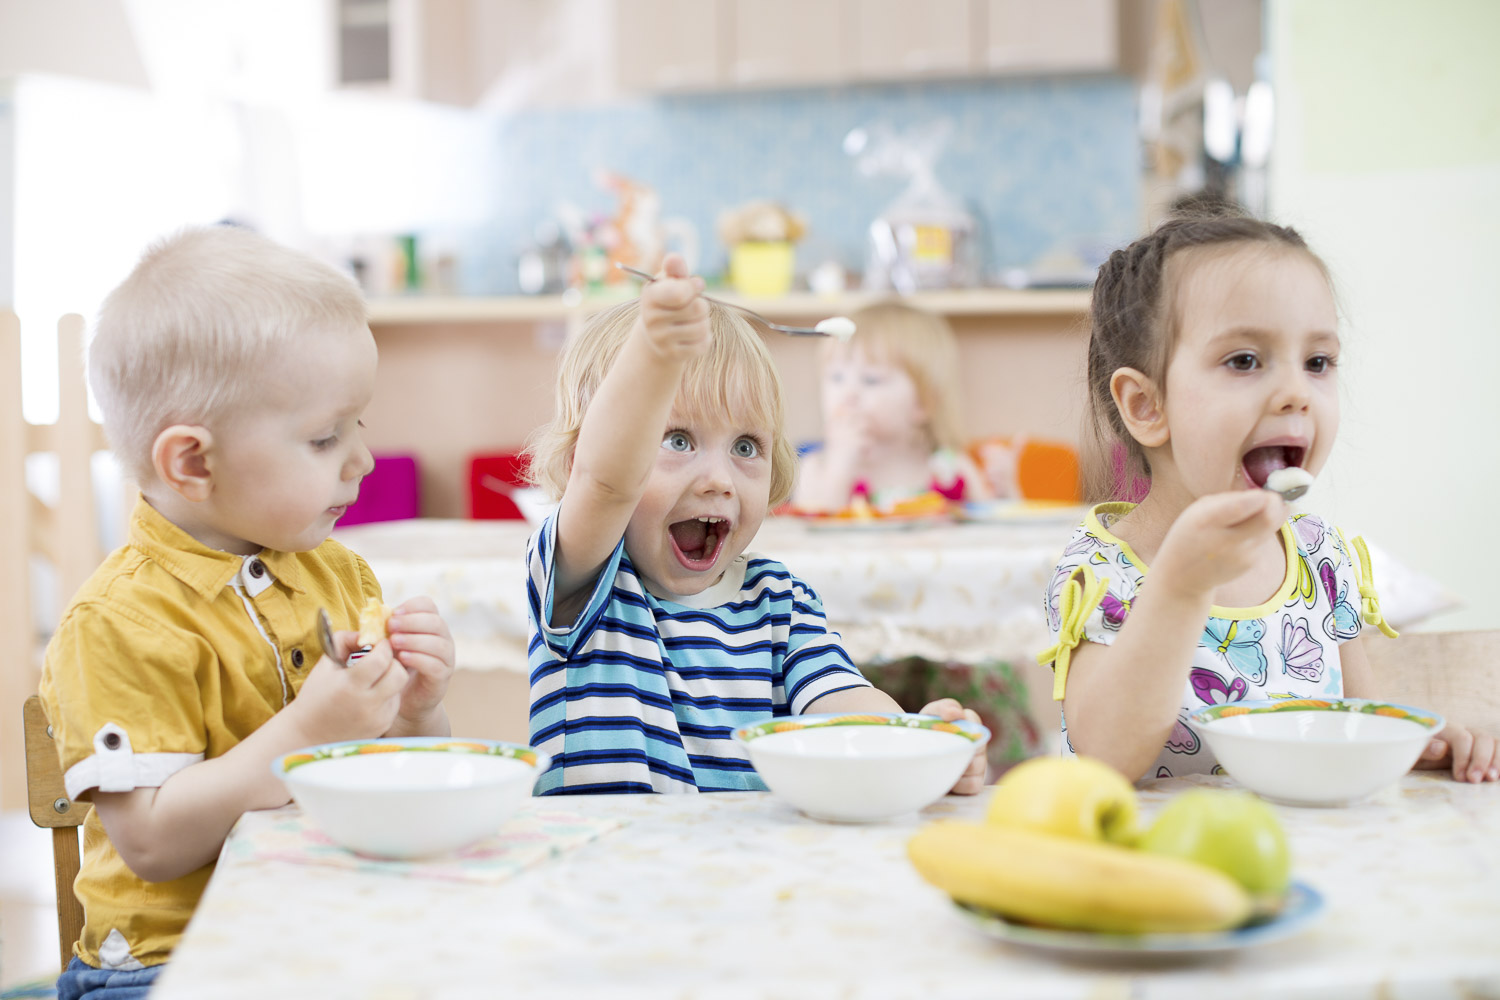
1212, 713
959, 727
337, 750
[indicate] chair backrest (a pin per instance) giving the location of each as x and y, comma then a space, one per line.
1456, 674
51, 808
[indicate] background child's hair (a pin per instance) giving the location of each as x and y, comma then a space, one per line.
183, 339
736, 376
923, 345
1134, 323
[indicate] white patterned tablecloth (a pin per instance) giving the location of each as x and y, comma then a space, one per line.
735, 895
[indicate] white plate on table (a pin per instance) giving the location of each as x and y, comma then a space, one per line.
1304, 905
1022, 512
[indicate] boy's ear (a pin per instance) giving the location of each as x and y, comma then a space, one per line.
180, 456
1139, 401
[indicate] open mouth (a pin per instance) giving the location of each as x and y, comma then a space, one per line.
698, 541
1259, 463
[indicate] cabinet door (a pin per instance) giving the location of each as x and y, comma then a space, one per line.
780, 43
1058, 35
897, 39
664, 45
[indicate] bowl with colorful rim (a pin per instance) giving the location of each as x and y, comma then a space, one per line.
1316, 751
860, 767
410, 797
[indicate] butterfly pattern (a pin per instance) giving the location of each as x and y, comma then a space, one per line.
1288, 647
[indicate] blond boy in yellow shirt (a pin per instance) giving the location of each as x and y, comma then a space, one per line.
231, 373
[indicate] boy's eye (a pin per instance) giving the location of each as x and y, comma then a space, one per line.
677, 441
746, 448
1243, 362
323, 444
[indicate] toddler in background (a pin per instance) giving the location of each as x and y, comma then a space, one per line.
1213, 359
891, 422
654, 635
232, 373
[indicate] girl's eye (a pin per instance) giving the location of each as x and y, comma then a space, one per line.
1320, 364
746, 448
873, 380
676, 441
1243, 362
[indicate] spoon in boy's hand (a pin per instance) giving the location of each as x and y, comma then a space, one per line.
1291, 482
325, 636
841, 327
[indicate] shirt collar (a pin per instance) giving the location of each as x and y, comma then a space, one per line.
207, 571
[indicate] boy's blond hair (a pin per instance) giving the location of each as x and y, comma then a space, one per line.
735, 376
185, 337
921, 344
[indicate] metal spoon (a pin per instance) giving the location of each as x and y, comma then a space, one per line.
1291, 482
795, 331
325, 636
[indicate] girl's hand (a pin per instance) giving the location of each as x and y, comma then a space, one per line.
971, 782
1474, 757
423, 645
356, 702
1214, 540
674, 316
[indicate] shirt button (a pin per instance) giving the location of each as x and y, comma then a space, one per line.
257, 568
297, 658
112, 741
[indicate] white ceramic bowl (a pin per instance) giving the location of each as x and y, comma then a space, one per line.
860, 768
414, 797
1316, 752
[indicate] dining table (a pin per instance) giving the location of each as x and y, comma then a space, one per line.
739, 895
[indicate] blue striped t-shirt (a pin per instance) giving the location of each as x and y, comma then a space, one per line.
641, 694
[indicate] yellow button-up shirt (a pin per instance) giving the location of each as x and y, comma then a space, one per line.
172, 653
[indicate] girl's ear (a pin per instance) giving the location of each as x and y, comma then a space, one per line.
1140, 404
180, 456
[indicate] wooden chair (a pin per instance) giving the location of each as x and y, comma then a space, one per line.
52, 809
63, 534
1456, 674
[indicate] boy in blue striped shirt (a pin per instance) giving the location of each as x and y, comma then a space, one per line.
653, 633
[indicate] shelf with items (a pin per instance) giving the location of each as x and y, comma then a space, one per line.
424, 310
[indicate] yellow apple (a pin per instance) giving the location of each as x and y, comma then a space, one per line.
1067, 797
1232, 831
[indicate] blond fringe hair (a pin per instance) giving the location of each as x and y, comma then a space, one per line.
185, 337
736, 376
921, 344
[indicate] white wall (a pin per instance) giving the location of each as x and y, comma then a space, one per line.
1388, 160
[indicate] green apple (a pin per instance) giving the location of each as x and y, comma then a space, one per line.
1067, 797
1234, 832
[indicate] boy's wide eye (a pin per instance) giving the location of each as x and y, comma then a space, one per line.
746, 448
1243, 362
676, 441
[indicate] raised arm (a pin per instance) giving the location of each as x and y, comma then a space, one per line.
622, 430
1123, 699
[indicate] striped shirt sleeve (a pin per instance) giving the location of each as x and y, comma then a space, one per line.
816, 663
560, 641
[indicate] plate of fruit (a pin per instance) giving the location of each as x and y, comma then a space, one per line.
1060, 863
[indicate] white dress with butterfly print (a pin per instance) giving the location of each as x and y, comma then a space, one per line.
1287, 647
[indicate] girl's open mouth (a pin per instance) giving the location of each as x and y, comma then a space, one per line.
1259, 463
698, 541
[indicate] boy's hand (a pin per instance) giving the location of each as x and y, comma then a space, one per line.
971, 782
1215, 539
1474, 757
350, 703
424, 646
674, 315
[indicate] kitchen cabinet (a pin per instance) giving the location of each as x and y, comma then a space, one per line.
667, 45
1024, 36
890, 43
789, 43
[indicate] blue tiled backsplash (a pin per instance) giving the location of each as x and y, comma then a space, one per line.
1046, 164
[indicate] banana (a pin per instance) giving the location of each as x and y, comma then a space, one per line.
1076, 884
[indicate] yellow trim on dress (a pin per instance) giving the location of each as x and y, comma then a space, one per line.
1369, 601
1074, 605
1277, 600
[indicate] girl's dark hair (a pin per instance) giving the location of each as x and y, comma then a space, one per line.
1132, 326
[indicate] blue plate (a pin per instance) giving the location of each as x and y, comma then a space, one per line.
1304, 905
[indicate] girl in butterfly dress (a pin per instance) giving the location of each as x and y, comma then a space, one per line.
1213, 360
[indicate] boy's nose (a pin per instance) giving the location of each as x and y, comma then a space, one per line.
361, 463
714, 476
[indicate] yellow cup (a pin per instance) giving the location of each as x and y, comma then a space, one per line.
762, 270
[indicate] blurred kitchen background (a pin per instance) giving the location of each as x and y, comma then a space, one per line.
479, 164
